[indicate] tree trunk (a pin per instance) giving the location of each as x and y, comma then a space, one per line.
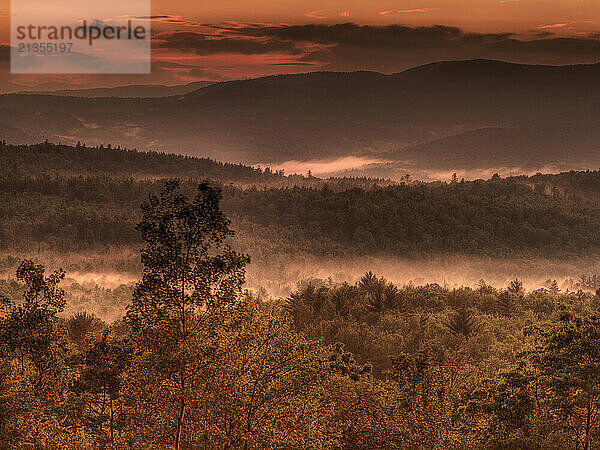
181, 417
112, 415
588, 426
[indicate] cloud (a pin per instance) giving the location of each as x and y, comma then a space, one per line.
348, 46
237, 50
388, 49
170, 19
552, 25
404, 11
318, 14
294, 64
392, 36
200, 73
203, 44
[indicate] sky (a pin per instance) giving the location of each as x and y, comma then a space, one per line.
221, 40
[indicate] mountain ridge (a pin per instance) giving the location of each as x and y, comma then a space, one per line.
329, 115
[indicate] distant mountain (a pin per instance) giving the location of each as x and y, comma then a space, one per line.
445, 115
492, 73
558, 143
11, 87
133, 91
550, 148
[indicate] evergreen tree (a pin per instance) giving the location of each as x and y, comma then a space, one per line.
462, 322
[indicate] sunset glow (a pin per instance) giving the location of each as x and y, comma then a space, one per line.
228, 40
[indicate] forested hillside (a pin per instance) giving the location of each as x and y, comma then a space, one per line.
196, 362
55, 209
51, 159
541, 215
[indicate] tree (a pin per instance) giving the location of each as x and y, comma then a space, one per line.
505, 303
427, 395
190, 282
462, 322
261, 395
516, 287
364, 415
380, 295
343, 363
34, 372
103, 365
567, 358
508, 404
80, 325
27, 329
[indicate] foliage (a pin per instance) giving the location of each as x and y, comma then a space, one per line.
196, 363
186, 291
78, 198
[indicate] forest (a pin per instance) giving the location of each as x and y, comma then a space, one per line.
76, 207
198, 361
300, 225
79, 198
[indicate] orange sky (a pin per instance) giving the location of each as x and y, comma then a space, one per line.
529, 19
474, 15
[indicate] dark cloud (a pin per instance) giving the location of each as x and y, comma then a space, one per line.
293, 64
394, 48
349, 46
407, 38
169, 19
394, 36
203, 44
543, 34
158, 16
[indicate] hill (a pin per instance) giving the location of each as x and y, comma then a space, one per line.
65, 161
80, 198
526, 116
47, 159
131, 91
